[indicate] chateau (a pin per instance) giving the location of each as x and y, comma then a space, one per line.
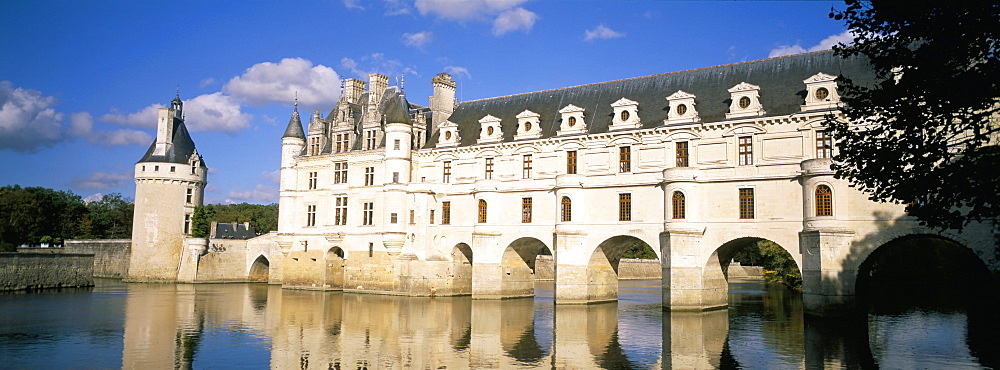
385, 196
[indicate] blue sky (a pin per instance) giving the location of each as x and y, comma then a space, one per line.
80, 81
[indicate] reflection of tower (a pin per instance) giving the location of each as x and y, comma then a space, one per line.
169, 182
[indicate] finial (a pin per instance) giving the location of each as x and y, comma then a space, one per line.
296, 99
178, 94
402, 81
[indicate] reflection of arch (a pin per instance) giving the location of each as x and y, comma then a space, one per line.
334, 268
923, 268
259, 270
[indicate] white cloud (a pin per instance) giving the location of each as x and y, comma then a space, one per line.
375, 63
100, 180
506, 15
602, 32
396, 7
418, 40
206, 82
82, 125
513, 20
93, 198
28, 120
260, 194
458, 71
272, 176
353, 4
845, 37
268, 83
145, 118
215, 112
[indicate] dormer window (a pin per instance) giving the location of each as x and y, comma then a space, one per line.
572, 120
490, 130
626, 114
449, 134
528, 125
682, 108
746, 101
821, 92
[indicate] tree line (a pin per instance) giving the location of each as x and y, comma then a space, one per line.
31, 215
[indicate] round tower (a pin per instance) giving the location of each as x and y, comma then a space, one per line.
169, 183
293, 142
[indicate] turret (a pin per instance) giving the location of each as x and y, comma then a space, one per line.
292, 141
442, 102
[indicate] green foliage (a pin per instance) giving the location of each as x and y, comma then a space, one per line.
779, 266
639, 250
262, 218
29, 215
201, 221
924, 133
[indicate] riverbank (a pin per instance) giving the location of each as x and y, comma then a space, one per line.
24, 271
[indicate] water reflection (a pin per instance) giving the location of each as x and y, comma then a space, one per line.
260, 326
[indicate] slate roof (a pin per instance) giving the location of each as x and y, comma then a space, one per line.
294, 129
233, 231
782, 92
179, 152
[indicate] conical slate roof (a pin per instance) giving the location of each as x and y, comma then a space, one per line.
294, 129
179, 152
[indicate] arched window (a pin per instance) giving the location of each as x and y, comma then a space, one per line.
482, 211
824, 201
567, 209
678, 202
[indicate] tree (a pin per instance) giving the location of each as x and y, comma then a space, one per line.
779, 266
201, 221
109, 218
925, 132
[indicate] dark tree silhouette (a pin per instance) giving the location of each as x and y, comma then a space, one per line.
925, 132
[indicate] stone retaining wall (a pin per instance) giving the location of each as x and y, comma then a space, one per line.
628, 268
21, 271
111, 256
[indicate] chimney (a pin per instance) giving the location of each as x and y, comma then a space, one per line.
353, 88
443, 101
377, 84
164, 130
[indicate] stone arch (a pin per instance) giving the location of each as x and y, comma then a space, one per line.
259, 270
335, 259
715, 274
461, 268
923, 268
519, 268
602, 268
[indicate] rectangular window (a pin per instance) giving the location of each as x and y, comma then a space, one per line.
746, 150
368, 214
824, 145
371, 249
526, 167
314, 146
625, 159
311, 215
340, 210
413, 219
187, 224
173, 168
525, 210
343, 141
340, 173
746, 203
682, 154
369, 176
395, 177
489, 168
571, 162
371, 139
445, 213
395, 144
393, 218
190, 195
432, 217
313, 180
482, 211
625, 207
446, 172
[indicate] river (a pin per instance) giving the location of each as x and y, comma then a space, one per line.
258, 326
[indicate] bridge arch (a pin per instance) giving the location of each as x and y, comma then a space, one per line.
921, 269
461, 268
518, 266
259, 270
335, 261
716, 274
